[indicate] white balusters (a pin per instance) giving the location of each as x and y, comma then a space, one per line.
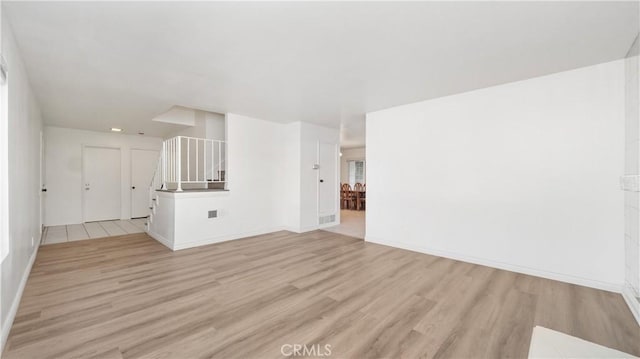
204, 164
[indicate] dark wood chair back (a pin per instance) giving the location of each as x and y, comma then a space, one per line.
346, 197
359, 190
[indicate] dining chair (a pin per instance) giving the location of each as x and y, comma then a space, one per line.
346, 197
345, 194
360, 193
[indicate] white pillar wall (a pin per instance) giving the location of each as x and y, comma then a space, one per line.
631, 290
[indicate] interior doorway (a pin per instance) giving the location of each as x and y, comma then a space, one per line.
101, 183
143, 166
353, 193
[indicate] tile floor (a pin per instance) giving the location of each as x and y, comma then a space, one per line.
76, 232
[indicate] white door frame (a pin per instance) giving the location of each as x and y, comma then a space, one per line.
131, 171
84, 146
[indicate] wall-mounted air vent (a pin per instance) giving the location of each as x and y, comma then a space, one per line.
327, 219
213, 214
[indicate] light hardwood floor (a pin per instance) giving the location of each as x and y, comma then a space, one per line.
352, 223
131, 297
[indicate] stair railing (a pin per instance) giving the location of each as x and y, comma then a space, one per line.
193, 160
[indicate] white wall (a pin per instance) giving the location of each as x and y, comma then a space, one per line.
205, 125
254, 203
349, 154
632, 163
254, 173
310, 136
215, 126
272, 186
300, 180
198, 130
177, 115
63, 158
24, 128
291, 175
523, 176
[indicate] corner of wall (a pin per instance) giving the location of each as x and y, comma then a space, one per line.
24, 173
13, 309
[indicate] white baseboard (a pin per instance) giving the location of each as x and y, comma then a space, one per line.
204, 242
301, 230
611, 287
328, 225
632, 302
167, 243
292, 229
13, 310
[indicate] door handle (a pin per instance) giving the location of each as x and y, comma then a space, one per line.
321, 181
133, 187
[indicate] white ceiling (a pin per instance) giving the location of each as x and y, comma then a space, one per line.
96, 65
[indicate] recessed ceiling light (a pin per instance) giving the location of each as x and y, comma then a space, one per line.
115, 129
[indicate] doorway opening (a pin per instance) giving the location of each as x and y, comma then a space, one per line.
353, 193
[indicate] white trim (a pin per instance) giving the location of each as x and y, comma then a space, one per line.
329, 224
301, 230
5, 245
194, 194
292, 229
167, 243
225, 238
13, 310
611, 287
632, 302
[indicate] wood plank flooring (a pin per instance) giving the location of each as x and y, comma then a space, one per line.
130, 297
352, 224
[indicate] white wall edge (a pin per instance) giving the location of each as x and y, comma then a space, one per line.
632, 303
292, 229
161, 239
302, 230
328, 225
11, 315
226, 238
610, 287
194, 194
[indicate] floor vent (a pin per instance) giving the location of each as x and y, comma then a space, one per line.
328, 219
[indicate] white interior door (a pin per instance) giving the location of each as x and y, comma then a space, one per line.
328, 179
143, 165
102, 183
